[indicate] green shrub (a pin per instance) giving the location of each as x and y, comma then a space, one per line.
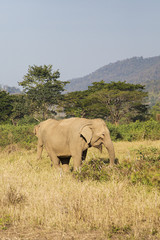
21, 135
145, 169
94, 169
27, 120
135, 131
115, 132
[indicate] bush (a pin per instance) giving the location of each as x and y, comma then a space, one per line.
135, 131
21, 135
27, 120
143, 170
146, 167
94, 169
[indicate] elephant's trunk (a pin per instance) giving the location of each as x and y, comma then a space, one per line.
109, 146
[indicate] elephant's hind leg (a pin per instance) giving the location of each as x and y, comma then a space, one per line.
39, 151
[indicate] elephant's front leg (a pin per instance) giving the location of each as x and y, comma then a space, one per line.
77, 161
76, 150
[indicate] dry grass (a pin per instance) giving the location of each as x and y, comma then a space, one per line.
38, 203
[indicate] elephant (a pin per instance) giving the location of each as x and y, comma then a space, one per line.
38, 130
72, 137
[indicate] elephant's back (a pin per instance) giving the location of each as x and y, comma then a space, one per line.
67, 127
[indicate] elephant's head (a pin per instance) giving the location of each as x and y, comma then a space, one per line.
96, 133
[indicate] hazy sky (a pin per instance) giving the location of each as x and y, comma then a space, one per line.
75, 36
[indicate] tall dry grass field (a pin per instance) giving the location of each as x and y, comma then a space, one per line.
38, 203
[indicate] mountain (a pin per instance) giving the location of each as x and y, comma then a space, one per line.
145, 71
11, 90
135, 70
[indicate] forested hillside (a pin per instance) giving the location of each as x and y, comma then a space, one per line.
134, 70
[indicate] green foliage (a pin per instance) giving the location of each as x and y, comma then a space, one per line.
74, 103
5, 106
27, 120
123, 101
22, 107
119, 102
94, 169
155, 110
115, 102
122, 86
143, 170
97, 86
21, 135
135, 131
42, 88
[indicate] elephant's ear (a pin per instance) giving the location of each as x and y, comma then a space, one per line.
86, 133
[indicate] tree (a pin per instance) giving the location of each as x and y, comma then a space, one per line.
5, 106
126, 105
121, 101
42, 88
115, 102
22, 106
122, 86
74, 103
155, 111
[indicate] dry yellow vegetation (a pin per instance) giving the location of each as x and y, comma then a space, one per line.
38, 203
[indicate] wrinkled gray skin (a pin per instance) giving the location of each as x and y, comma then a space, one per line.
71, 138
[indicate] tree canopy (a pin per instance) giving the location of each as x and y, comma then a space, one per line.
112, 101
117, 102
43, 88
5, 106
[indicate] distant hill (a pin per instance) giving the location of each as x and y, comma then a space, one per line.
145, 71
11, 90
134, 70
